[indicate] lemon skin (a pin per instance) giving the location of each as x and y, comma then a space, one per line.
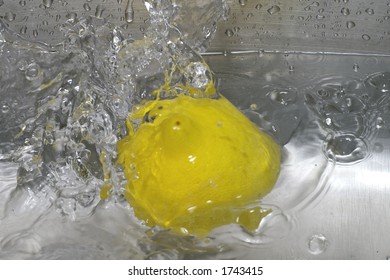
194, 164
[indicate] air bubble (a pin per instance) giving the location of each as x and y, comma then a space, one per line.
35, 33
22, 3
317, 244
370, 11
355, 67
273, 10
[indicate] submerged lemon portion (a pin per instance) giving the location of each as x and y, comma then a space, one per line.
194, 164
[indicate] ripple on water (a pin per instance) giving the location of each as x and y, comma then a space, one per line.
345, 149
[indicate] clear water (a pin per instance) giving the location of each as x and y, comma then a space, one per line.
63, 108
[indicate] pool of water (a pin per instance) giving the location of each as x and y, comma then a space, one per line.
63, 108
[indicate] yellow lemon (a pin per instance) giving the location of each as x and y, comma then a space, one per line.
194, 164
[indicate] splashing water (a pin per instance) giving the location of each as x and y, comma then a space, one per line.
65, 107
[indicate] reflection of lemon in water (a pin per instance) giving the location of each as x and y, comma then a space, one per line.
193, 164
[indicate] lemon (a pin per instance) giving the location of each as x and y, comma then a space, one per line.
194, 164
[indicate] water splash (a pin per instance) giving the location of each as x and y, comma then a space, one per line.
65, 107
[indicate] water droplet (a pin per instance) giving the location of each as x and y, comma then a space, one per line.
129, 11
32, 72
5, 109
58, 17
345, 149
47, 3
71, 17
273, 10
370, 11
355, 67
229, 32
10, 16
87, 7
258, 6
345, 11
350, 24
22, 3
317, 244
35, 33
291, 68
23, 30
366, 37
242, 2
379, 123
99, 11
